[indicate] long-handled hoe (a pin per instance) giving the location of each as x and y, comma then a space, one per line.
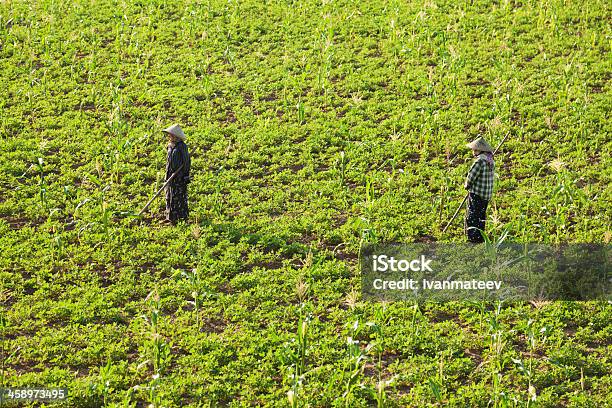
160, 190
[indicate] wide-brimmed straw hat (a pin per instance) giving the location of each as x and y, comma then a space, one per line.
176, 131
480, 144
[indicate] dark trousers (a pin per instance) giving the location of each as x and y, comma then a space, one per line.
475, 217
176, 202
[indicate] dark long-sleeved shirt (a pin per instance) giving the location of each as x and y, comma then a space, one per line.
178, 155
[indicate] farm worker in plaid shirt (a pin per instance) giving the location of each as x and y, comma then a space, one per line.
479, 183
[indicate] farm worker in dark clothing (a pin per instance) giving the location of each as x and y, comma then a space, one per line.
177, 159
479, 183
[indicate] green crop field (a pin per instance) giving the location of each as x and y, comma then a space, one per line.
314, 128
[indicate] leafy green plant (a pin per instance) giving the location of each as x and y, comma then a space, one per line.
341, 164
9, 355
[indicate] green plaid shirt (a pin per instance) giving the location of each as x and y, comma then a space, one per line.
480, 178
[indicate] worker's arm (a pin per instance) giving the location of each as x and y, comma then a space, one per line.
473, 174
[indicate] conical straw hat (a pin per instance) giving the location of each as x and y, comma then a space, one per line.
176, 131
480, 144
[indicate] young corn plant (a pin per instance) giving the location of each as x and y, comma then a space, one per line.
355, 363
293, 396
105, 212
302, 344
414, 327
198, 290
533, 337
480, 307
368, 235
377, 329
42, 185
58, 248
101, 386
493, 242
301, 287
154, 398
496, 348
157, 349
568, 200
436, 382
300, 112
380, 394
120, 147
299, 362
